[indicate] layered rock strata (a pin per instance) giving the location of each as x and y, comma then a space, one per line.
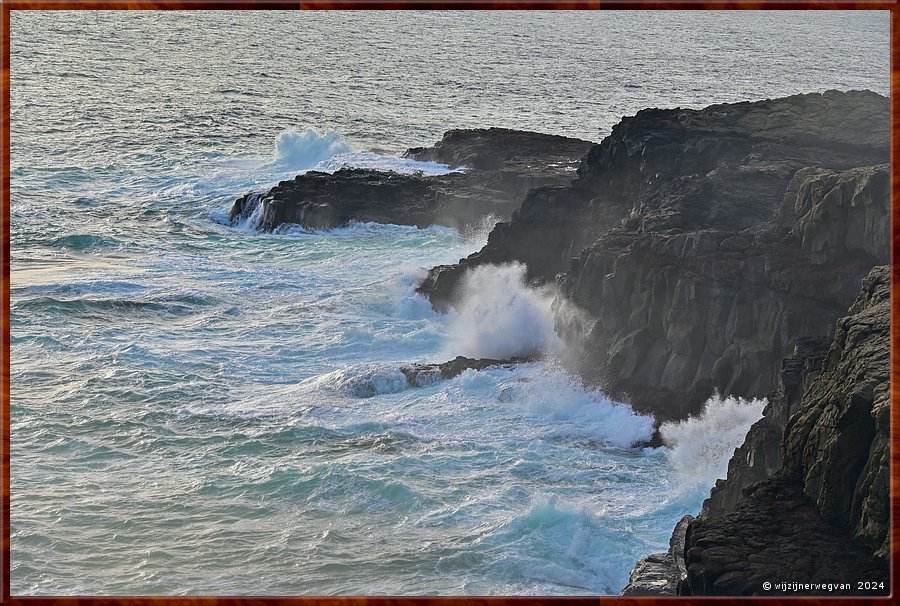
816, 509
701, 244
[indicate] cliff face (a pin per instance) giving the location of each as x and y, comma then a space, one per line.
824, 516
704, 245
836, 446
759, 457
776, 535
501, 166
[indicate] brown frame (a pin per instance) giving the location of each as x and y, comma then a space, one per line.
9, 5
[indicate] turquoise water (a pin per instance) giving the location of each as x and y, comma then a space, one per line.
198, 408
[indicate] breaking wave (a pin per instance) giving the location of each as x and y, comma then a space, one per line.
700, 446
500, 317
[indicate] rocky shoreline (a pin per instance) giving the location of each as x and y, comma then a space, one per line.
498, 167
693, 252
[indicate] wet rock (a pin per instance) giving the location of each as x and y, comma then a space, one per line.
697, 243
420, 375
660, 573
501, 166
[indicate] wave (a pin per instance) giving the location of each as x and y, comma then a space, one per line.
171, 304
361, 381
700, 447
500, 317
300, 150
559, 543
384, 163
328, 151
570, 409
83, 242
296, 152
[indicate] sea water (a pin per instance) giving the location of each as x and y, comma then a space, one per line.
199, 408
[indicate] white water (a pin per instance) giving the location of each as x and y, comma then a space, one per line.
701, 446
499, 317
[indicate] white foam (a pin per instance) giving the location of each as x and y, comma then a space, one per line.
499, 317
362, 159
569, 408
301, 150
361, 381
700, 447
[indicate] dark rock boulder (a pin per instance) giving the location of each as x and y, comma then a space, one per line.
500, 167
503, 149
322, 200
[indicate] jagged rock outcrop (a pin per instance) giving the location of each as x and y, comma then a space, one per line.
776, 535
660, 573
419, 375
760, 455
836, 446
699, 254
824, 515
501, 166
838, 215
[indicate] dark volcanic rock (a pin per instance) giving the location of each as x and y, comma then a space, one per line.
776, 535
703, 245
760, 455
504, 149
660, 573
419, 375
824, 517
836, 446
501, 166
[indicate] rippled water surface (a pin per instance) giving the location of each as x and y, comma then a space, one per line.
199, 408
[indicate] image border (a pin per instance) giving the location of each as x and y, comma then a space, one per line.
6, 6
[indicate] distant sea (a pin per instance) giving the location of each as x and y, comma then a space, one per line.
198, 408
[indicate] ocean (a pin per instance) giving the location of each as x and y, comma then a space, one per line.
200, 408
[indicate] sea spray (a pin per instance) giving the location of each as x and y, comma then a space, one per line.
500, 317
701, 446
299, 150
374, 161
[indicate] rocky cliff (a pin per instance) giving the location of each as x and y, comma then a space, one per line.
701, 244
824, 515
499, 167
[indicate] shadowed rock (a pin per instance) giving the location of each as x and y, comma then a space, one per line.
700, 245
776, 534
660, 573
500, 167
824, 515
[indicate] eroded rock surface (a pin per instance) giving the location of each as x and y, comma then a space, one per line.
660, 573
824, 515
700, 245
501, 166
760, 455
419, 375
836, 446
776, 535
